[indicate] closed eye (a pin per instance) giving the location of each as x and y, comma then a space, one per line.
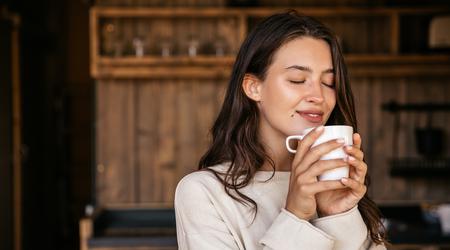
297, 82
329, 85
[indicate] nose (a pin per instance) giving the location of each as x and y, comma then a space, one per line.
315, 92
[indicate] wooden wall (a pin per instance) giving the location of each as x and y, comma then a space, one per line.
149, 135
377, 129
152, 133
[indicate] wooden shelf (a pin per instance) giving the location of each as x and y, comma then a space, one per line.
175, 60
229, 60
212, 66
205, 66
398, 65
397, 59
164, 72
218, 67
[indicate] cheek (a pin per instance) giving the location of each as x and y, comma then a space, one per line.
330, 99
278, 95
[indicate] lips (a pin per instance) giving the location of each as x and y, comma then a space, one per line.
313, 116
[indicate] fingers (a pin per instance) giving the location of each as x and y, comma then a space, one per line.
355, 159
316, 152
358, 188
360, 169
321, 166
321, 186
357, 140
305, 144
355, 152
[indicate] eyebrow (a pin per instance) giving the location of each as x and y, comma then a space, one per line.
308, 69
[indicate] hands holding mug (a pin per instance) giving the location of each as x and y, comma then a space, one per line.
333, 194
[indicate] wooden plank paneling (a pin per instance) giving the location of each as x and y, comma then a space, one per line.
360, 87
439, 189
153, 127
150, 134
415, 94
147, 132
165, 158
423, 90
115, 142
381, 142
207, 110
381, 132
187, 134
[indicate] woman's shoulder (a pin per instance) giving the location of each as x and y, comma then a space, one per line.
200, 184
204, 177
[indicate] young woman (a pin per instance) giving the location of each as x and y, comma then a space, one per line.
251, 193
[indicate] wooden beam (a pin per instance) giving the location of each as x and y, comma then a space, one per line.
17, 136
94, 38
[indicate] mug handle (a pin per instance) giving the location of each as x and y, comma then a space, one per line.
289, 138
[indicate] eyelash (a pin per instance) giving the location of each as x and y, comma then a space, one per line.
300, 82
331, 86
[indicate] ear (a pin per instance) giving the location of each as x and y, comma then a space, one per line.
252, 87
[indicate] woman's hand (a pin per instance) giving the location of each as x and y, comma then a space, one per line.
339, 201
306, 166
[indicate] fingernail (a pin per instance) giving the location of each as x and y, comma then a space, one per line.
344, 180
348, 148
351, 158
340, 140
320, 128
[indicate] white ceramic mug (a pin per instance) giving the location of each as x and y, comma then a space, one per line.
331, 132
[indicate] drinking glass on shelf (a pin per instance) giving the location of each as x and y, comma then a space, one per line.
193, 46
138, 45
166, 47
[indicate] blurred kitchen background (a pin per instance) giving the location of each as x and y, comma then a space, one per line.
106, 104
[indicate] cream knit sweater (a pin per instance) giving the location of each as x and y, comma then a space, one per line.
207, 218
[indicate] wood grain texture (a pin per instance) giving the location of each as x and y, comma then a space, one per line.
149, 114
154, 113
379, 129
381, 134
17, 120
149, 135
115, 142
362, 31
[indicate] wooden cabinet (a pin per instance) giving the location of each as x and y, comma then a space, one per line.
156, 99
154, 110
164, 43
371, 39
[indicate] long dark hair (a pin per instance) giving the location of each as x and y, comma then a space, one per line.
235, 133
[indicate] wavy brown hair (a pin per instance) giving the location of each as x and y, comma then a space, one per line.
235, 134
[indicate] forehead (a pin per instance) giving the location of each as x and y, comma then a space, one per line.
304, 51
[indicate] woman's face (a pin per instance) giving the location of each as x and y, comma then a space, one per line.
298, 91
